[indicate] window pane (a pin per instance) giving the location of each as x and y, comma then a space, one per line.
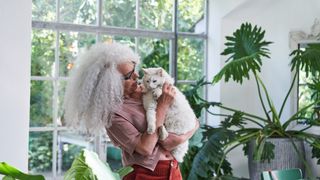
154, 53
69, 147
119, 13
40, 152
305, 94
190, 58
191, 16
43, 50
156, 15
41, 103
71, 44
185, 87
303, 79
78, 11
43, 10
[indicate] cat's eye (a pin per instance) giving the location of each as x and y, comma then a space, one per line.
148, 81
154, 81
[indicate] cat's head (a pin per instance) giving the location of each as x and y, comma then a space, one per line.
153, 77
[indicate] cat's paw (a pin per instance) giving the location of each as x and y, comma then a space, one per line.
157, 93
163, 133
178, 157
151, 129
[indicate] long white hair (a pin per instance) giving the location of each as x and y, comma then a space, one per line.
95, 87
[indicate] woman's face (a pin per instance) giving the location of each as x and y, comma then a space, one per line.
129, 79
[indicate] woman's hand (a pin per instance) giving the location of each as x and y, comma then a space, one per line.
173, 140
164, 102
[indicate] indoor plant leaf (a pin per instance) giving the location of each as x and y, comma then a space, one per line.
88, 166
246, 48
208, 159
12, 172
307, 60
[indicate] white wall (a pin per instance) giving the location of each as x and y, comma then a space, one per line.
278, 18
15, 35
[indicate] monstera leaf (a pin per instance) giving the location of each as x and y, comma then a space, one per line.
88, 166
246, 48
207, 161
307, 60
12, 173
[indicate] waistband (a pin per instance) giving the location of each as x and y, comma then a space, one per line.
164, 167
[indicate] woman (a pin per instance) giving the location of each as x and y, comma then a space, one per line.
103, 92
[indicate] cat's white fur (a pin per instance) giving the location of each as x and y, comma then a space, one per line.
180, 117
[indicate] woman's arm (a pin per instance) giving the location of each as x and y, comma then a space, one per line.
173, 140
148, 141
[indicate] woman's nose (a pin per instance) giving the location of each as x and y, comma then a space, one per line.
135, 75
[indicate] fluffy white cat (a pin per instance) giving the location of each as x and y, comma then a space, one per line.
179, 119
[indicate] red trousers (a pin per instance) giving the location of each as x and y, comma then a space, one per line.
165, 170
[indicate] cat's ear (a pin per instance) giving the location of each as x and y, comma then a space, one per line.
160, 72
144, 71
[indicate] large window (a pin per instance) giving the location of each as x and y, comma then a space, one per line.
167, 33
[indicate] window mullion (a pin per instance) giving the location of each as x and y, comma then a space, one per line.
137, 25
55, 104
99, 19
109, 30
174, 43
205, 64
58, 11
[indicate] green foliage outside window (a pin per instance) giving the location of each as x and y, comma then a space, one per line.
120, 13
40, 151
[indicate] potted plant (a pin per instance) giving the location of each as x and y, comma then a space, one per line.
247, 50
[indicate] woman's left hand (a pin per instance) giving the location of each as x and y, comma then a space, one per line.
173, 140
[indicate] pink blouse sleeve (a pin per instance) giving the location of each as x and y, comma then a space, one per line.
123, 134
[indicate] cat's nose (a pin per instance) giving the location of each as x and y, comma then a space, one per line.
139, 81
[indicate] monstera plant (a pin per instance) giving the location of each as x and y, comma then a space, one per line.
247, 50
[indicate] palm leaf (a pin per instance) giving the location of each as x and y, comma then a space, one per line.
246, 48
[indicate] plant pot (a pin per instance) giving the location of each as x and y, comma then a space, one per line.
114, 153
285, 157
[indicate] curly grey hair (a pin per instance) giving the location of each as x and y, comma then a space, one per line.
95, 87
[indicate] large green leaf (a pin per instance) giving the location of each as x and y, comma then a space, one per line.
124, 171
186, 165
11, 172
246, 48
307, 60
206, 162
88, 166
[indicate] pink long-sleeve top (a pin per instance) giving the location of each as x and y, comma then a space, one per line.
128, 124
